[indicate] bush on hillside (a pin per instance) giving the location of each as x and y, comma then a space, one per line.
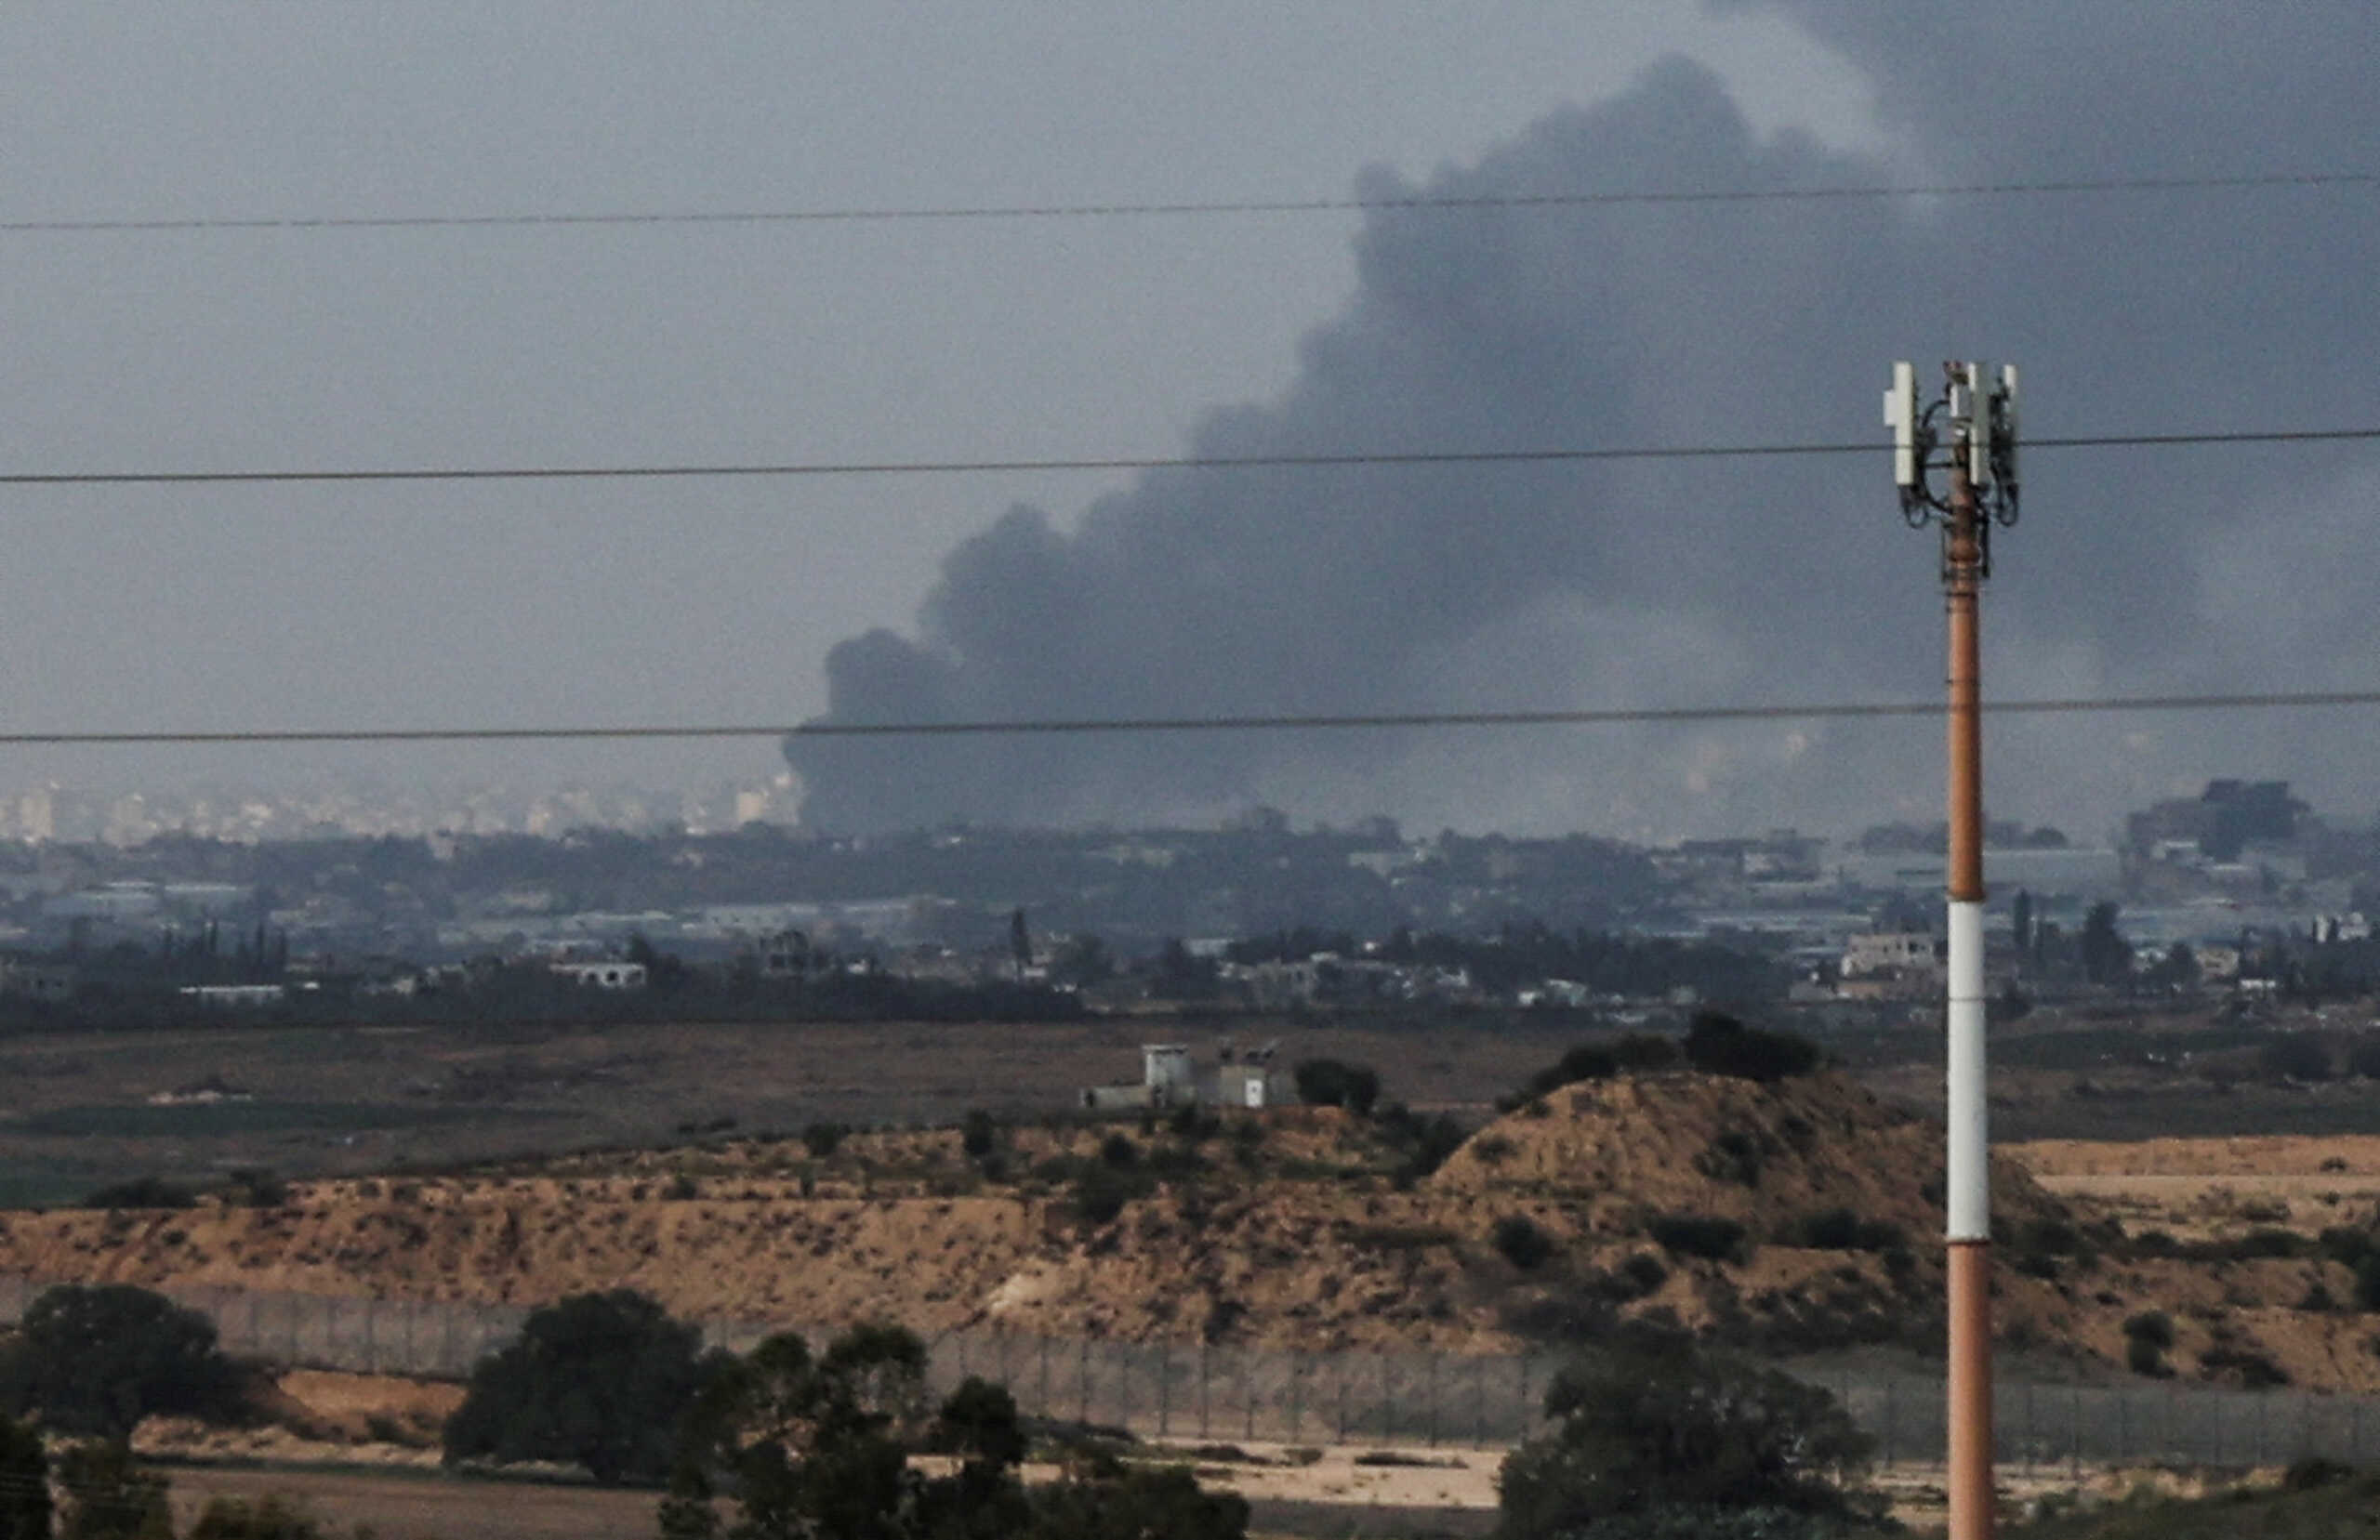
1587, 1061
1718, 1043
141, 1192
979, 1133
1519, 1241
823, 1139
1841, 1229
97, 1358
1335, 1082
1705, 1236
1422, 1144
1646, 1053
598, 1380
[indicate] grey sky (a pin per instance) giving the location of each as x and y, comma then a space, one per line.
721, 600
695, 600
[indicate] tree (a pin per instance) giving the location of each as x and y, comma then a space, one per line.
2107, 957
599, 1380
1718, 1043
1334, 1083
2020, 922
95, 1360
25, 1483
1652, 1424
808, 1445
108, 1497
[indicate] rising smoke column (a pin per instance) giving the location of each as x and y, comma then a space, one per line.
1360, 588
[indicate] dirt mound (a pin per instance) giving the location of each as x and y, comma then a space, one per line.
1805, 1213
1771, 1158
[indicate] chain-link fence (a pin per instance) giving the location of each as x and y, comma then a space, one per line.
1213, 1393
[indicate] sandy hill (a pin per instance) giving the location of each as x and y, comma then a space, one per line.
1800, 1214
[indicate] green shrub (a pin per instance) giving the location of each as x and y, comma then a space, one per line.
1101, 1192
598, 1380
821, 1139
141, 1192
1587, 1061
1520, 1241
1734, 1156
1841, 1229
978, 1134
1704, 1235
2255, 1371
97, 1358
1648, 1427
1644, 1052
2143, 1358
1718, 1043
1645, 1273
1334, 1083
1118, 1152
2344, 1243
1421, 1143
2154, 1328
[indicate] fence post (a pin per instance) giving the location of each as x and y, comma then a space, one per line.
1296, 1394
2074, 1432
1248, 1391
1042, 1408
1342, 1400
1082, 1406
1202, 1388
1164, 1388
1891, 1423
2262, 1399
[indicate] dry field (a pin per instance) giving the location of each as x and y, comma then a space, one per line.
74, 1111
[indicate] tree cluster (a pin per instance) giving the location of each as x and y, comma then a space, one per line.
785, 1443
1653, 1437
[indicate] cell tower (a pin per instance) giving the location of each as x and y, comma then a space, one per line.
1968, 432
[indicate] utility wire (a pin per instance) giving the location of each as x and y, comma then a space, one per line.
1294, 723
1115, 463
1419, 203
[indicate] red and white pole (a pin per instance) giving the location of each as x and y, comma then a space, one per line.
1969, 1177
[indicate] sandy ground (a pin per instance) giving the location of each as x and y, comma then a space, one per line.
2210, 1186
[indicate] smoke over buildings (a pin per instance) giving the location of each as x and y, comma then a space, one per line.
1526, 586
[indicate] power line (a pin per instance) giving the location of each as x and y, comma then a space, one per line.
1419, 203
1116, 463
1290, 723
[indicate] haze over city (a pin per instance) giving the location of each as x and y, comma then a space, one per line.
1389, 329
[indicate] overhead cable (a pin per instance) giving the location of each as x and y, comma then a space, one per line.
1419, 202
1319, 460
1288, 723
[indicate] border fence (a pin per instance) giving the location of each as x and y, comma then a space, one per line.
1215, 1393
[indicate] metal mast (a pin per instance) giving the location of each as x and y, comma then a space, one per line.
1969, 431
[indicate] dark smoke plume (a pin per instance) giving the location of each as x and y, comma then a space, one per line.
1387, 589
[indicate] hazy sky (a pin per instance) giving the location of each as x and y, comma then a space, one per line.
570, 603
